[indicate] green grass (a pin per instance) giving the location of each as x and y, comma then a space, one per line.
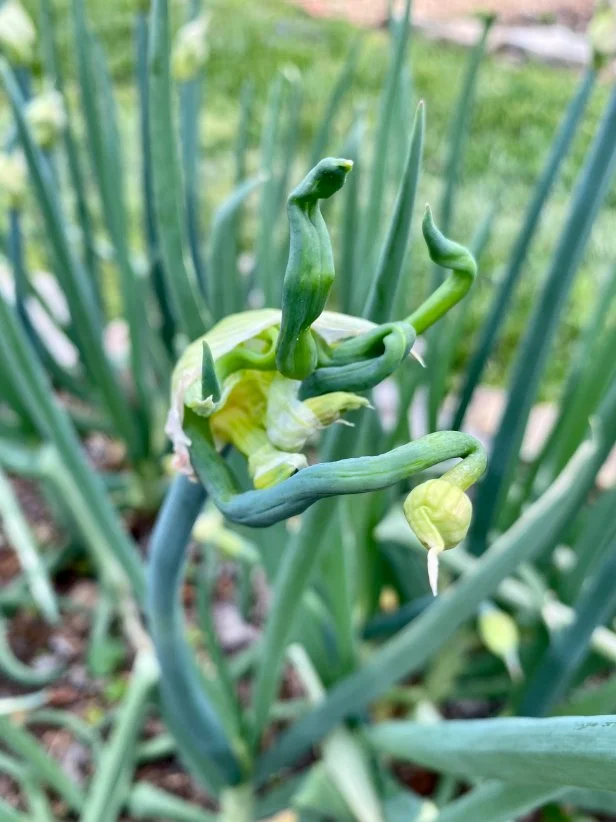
517, 110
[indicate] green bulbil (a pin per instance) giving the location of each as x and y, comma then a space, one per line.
439, 513
310, 270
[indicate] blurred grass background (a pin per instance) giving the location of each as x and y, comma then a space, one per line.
518, 108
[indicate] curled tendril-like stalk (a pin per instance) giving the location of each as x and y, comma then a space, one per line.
362, 362
349, 476
458, 260
310, 270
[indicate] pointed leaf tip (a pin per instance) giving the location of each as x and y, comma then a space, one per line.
210, 387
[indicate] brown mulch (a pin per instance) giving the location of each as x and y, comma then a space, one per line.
374, 12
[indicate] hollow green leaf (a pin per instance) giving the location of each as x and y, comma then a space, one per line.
48, 771
224, 281
20, 276
191, 93
270, 140
343, 754
568, 649
236, 227
70, 722
157, 275
337, 581
385, 285
319, 796
598, 698
571, 751
589, 195
291, 580
118, 756
189, 307
105, 653
289, 136
344, 284
493, 323
9, 814
53, 69
22, 540
499, 802
592, 371
460, 126
189, 711
64, 461
593, 540
11, 705
77, 289
600, 802
322, 141
114, 207
149, 802
373, 212
230, 711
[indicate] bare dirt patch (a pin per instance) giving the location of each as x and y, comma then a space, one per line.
374, 12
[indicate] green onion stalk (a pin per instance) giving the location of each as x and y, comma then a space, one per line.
267, 382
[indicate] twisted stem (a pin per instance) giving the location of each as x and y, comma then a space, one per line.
349, 476
362, 362
310, 270
458, 260
189, 713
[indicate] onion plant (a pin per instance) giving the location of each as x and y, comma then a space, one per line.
248, 402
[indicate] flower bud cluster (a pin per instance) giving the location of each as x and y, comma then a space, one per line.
257, 409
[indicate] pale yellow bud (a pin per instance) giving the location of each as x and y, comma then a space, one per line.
209, 528
602, 30
47, 117
426, 713
190, 50
499, 633
267, 465
328, 408
234, 547
207, 524
439, 514
17, 33
13, 178
389, 601
429, 812
292, 423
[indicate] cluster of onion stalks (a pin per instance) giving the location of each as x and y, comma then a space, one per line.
267, 381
